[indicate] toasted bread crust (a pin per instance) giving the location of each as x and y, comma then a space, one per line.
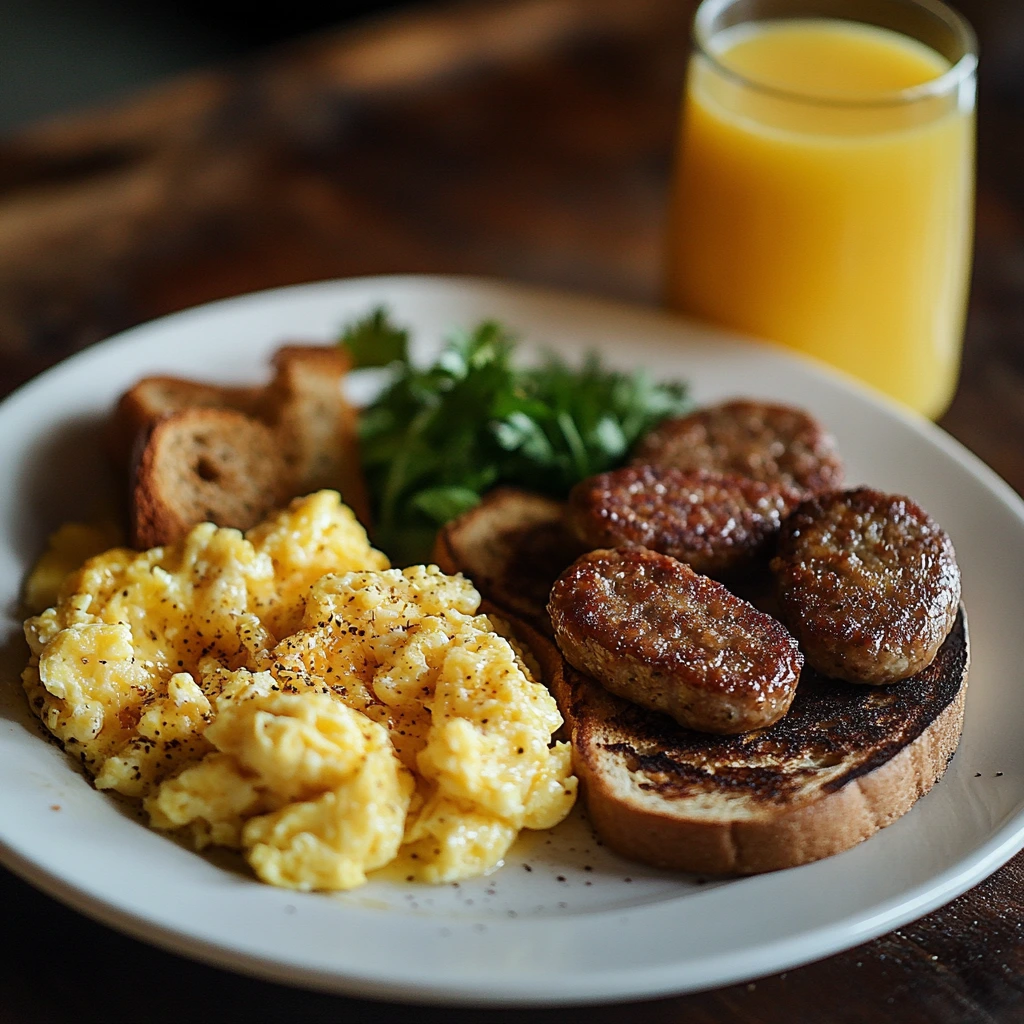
778, 827
313, 429
316, 426
517, 545
804, 833
205, 464
152, 398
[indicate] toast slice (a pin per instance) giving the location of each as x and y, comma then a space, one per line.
206, 464
316, 426
142, 405
844, 762
314, 430
513, 545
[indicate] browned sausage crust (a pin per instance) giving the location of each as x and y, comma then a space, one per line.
720, 524
650, 629
773, 443
868, 583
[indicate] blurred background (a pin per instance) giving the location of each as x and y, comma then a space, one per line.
63, 55
58, 56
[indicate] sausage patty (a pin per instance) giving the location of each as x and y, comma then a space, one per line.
868, 583
773, 443
650, 629
720, 524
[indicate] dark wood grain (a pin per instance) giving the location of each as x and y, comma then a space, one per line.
531, 140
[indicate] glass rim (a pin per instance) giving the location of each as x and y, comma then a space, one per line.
941, 85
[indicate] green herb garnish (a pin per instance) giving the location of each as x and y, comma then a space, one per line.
437, 438
375, 340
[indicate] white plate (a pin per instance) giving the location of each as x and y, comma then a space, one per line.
580, 925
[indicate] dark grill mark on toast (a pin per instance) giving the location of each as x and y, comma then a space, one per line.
526, 564
538, 557
673, 779
827, 721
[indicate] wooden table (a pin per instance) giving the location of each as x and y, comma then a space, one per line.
528, 139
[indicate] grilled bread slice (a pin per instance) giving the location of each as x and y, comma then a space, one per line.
843, 763
311, 426
513, 545
139, 408
205, 465
316, 426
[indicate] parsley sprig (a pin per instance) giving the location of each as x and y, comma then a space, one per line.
438, 437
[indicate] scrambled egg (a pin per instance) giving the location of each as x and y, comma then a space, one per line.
66, 550
287, 694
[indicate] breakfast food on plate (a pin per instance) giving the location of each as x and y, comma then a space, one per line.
205, 464
152, 397
650, 629
517, 543
868, 583
720, 524
316, 425
286, 694
217, 597
773, 443
438, 437
67, 549
303, 412
843, 762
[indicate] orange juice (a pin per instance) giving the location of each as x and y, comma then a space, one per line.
824, 199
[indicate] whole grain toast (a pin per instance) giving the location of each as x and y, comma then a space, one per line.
513, 546
139, 408
302, 409
844, 762
316, 426
205, 464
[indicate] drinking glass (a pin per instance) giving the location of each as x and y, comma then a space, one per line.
823, 194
